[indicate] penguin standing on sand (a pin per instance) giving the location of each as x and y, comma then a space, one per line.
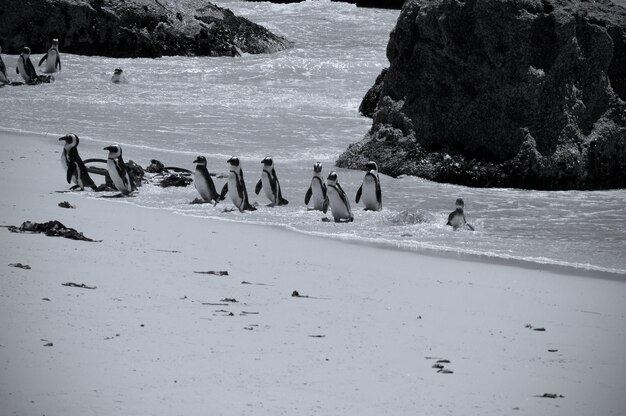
117, 170
237, 187
456, 219
74, 166
4, 79
317, 190
370, 189
203, 182
25, 67
52, 58
338, 201
269, 182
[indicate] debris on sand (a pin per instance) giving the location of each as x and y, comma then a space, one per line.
66, 204
79, 285
52, 228
214, 272
20, 266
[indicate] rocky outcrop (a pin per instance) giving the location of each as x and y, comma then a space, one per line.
521, 93
132, 28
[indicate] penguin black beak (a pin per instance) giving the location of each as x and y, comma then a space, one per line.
197, 160
66, 139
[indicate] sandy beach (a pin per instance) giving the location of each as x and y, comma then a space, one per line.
156, 338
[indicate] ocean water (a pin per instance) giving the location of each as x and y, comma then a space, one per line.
301, 106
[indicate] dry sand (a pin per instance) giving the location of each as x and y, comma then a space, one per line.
155, 338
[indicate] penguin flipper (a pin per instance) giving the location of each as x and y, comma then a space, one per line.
358, 194
379, 194
71, 171
450, 218
258, 186
58, 61
224, 192
308, 195
470, 227
326, 204
43, 58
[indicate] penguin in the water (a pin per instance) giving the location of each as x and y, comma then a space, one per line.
52, 58
203, 182
370, 189
317, 190
269, 182
338, 201
117, 170
75, 168
237, 187
118, 76
4, 79
25, 67
456, 219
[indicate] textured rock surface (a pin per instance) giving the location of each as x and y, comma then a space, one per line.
132, 28
522, 93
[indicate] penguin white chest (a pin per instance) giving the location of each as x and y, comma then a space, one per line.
338, 207
267, 187
51, 62
317, 194
369, 193
237, 199
202, 186
118, 181
457, 221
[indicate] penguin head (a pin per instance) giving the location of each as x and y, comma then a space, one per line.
371, 165
317, 167
115, 151
26, 51
234, 161
55, 42
200, 160
460, 203
70, 139
117, 71
332, 177
268, 162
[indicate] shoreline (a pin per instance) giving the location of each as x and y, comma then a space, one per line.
440, 252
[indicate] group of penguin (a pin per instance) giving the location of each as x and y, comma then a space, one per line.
52, 60
321, 195
26, 69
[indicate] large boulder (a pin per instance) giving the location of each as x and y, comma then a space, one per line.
522, 93
132, 28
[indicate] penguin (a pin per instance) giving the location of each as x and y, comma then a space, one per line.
370, 189
118, 76
75, 168
203, 182
117, 170
456, 219
4, 79
338, 201
52, 58
237, 186
317, 190
25, 67
269, 182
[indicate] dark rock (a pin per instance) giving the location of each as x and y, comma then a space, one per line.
277, 1
132, 28
514, 93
